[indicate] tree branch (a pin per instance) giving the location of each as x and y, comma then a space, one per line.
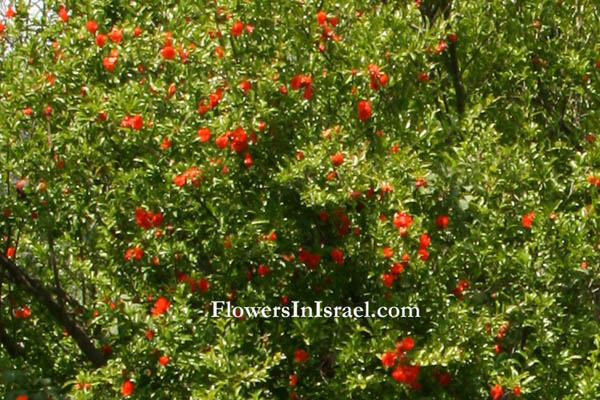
34, 287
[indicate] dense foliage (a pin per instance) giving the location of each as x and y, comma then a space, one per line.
157, 156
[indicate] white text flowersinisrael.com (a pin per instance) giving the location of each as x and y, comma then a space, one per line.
226, 309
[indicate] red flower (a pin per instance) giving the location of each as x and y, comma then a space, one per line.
406, 373
10, 252
377, 78
239, 140
116, 35
496, 392
168, 52
308, 92
127, 388
517, 391
321, 17
453, 37
424, 240
160, 306
92, 26
313, 261
248, 159
497, 348
388, 359
423, 77
204, 135
138, 252
203, 285
293, 380
142, 218
301, 355
406, 344
164, 360
388, 279
1, 28
442, 46
22, 397
442, 221
337, 256
364, 110
337, 159
402, 220
23, 312
149, 334
237, 28
63, 14
397, 268
423, 253
157, 219
166, 143
245, 86
388, 252
100, 39
527, 219
137, 31
10, 12
180, 180
132, 121
444, 379
109, 63
263, 270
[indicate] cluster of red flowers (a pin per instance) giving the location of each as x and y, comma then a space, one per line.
592, 179
132, 121
213, 101
327, 24
239, 141
397, 268
442, 221
238, 28
193, 174
134, 252
146, 219
22, 312
424, 241
311, 260
377, 78
403, 372
201, 284
238, 137
340, 220
460, 288
303, 81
